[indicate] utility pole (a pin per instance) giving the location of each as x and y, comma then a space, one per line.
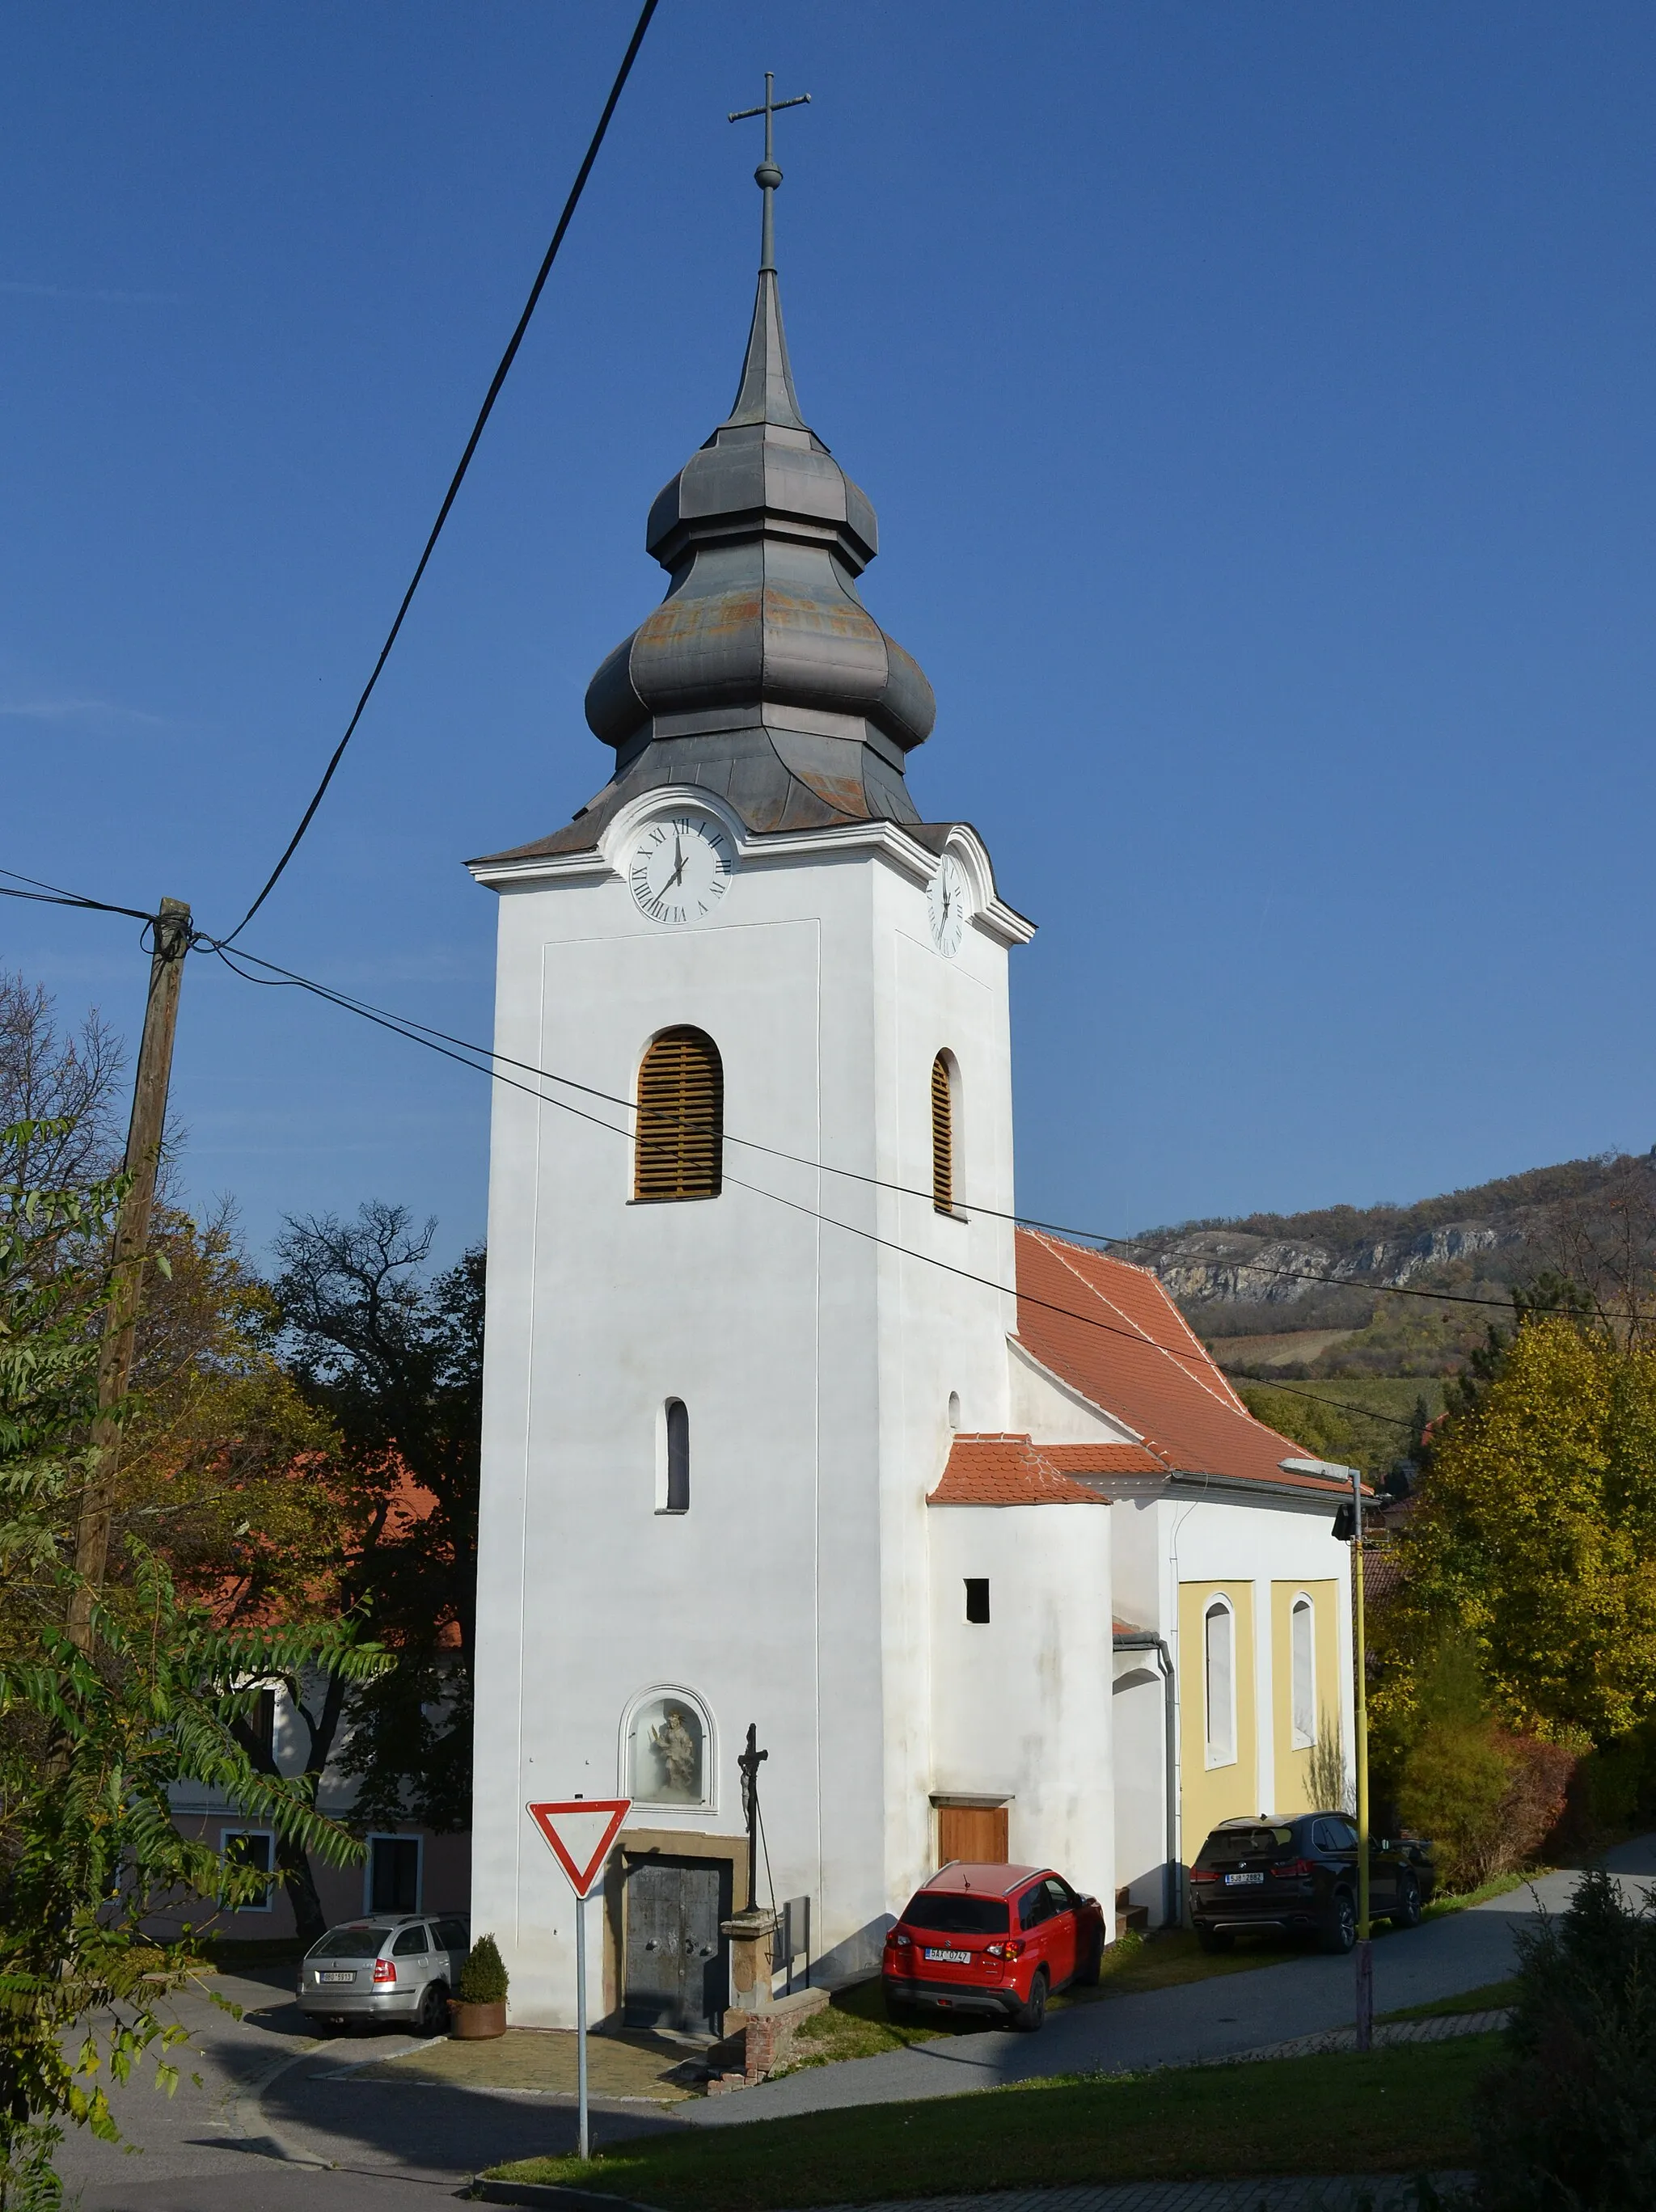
143, 1141
1365, 1948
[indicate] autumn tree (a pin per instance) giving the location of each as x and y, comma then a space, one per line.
1534, 1535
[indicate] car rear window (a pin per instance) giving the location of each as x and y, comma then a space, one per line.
949, 1912
1242, 1844
350, 1943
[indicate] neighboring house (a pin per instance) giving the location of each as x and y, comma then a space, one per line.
407, 1868
783, 1424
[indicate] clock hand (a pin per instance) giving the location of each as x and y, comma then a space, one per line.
679, 855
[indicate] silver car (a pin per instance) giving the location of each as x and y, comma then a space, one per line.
395, 1966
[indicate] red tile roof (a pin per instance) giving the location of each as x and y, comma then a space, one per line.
1111, 1332
1003, 1469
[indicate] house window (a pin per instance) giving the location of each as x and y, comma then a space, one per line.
977, 1598
678, 1151
942, 1124
263, 1727
668, 1761
678, 1440
394, 1875
254, 1848
1219, 1674
1302, 1645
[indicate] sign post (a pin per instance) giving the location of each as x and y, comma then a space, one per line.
578, 1831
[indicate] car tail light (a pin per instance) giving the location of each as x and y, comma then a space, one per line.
899, 1941
1293, 1870
384, 1971
1204, 1874
1013, 1950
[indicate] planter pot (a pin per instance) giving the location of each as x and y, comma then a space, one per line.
475, 2023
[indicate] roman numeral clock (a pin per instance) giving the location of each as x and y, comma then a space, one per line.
680, 867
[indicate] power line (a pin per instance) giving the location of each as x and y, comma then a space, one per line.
406, 1025
459, 478
458, 1051
49, 895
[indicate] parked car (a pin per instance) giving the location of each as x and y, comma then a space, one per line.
395, 1966
1300, 1873
992, 1938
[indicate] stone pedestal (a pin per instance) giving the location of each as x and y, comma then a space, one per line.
752, 1936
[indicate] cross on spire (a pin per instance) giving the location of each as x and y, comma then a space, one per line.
768, 176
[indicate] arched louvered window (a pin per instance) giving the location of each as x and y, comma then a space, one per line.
678, 1151
942, 1120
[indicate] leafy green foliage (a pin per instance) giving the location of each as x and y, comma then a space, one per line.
92, 1740
1324, 1431
1571, 2120
482, 1977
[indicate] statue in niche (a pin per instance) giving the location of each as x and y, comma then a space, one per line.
678, 1748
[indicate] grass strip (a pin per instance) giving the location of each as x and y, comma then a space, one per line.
1398, 2110
1494, 1996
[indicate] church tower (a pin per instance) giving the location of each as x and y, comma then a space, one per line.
738, 1298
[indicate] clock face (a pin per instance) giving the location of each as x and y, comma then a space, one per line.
680, 867
949, 901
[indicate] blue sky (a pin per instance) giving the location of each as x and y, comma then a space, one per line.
1258, 403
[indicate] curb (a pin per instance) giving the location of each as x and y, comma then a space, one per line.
552, 2195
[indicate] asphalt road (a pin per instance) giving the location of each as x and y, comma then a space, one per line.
282, 2123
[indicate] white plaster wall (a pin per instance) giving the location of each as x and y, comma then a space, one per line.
1021, 1705
1139, 1705
815, 1363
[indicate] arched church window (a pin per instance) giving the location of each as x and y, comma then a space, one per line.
678, 1150
678, 1467
942, 1123
1218, 1672
667, 1760
1302, 1652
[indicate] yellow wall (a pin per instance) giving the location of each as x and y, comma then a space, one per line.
1293, 1775
1212, 1794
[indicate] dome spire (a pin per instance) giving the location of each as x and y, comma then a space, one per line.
766, 393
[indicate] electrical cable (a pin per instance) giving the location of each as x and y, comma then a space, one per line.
480, 1064
407, 1024
487, 408
49, 895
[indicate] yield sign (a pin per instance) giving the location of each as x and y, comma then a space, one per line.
580, 1833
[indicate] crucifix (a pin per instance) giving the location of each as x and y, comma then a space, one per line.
768, 176
750, 1762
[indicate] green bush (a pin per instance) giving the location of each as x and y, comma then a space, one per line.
1570, 2121
483, 1977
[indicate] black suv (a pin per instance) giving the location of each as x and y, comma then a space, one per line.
1301, 1873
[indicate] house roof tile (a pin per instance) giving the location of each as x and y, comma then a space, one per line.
1006, 1469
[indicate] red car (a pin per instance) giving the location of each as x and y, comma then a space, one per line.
994, 1939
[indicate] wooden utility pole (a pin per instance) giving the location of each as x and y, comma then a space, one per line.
144, 1142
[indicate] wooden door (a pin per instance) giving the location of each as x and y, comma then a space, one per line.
977, 1833
676, 1969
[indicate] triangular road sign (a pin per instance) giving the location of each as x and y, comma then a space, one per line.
580, 1833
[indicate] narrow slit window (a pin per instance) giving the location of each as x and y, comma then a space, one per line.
977, 1598
1219, 1656
942, 1121
1303, 1653
678, 1457
679, 1151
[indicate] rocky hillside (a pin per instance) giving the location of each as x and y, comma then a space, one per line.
1305, 1294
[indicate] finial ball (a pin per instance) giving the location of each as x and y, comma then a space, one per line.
768, 175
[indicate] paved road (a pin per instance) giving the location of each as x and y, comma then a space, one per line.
1203, 2020
271, 2096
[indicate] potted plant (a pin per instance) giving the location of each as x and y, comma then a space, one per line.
480, 2010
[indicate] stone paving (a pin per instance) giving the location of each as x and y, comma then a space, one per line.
1303, 2193
1440, 2029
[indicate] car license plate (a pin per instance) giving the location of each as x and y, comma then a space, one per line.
1236, 1880
952, 1957
336, 1977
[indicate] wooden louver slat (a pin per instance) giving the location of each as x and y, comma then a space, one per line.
942, 1117
679, 1148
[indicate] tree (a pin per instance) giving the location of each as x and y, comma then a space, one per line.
1323, 1431
396, 1363
92, 1740
1534, 1535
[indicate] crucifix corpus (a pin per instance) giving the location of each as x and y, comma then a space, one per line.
768, 176
749, 1763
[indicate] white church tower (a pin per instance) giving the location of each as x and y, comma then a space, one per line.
738, 1298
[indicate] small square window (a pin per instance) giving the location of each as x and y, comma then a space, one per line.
978, 1597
